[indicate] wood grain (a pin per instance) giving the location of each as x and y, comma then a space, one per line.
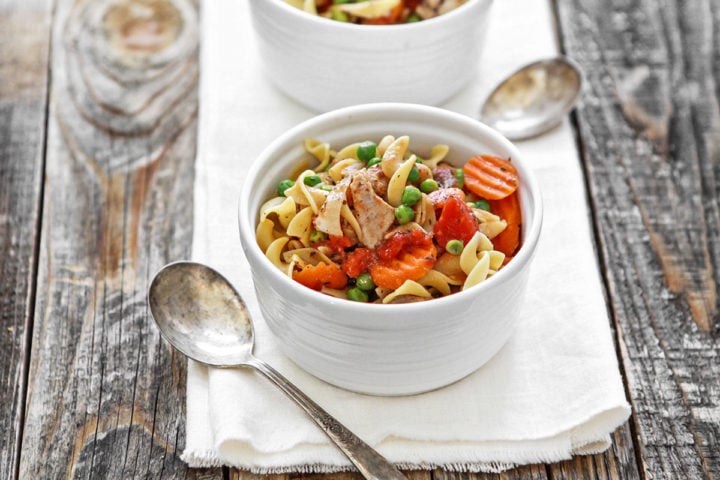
24, 55
106, 394
618, 462
650, 126
527, 472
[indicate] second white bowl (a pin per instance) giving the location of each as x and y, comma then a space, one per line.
326, 64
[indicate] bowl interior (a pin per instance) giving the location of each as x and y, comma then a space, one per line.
467, 8
426, 127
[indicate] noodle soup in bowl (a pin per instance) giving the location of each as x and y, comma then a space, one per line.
369, 346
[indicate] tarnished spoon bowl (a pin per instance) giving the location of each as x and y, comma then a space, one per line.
534, 99
201, 315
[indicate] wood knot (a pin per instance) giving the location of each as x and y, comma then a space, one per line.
129, 71
142, 26
643, 93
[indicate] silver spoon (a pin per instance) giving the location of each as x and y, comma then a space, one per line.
533, 99
202, 315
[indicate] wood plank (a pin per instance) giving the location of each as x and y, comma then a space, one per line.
236, 474
106, 394
618, 462
534, 472
526, 472
649, 126
24, 56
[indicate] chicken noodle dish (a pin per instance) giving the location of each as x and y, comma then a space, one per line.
375, 222
377, 12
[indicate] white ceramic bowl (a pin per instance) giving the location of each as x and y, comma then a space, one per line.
388, 349
325, 64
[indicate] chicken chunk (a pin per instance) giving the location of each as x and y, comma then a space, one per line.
374, 215
328, 218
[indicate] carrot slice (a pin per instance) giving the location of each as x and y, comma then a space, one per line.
411, 264
490, 177
403, 256
321, 275
508, 209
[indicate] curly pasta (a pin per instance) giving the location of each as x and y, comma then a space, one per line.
398, 181
378, 225
478, 260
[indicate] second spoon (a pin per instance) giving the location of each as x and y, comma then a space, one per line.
533, 99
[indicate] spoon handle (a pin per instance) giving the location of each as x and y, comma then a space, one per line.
369, 462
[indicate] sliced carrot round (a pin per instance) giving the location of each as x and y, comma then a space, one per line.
490, 177
508, 209
404, 256
321, 275
412, 264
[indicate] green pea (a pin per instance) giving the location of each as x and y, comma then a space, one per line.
339, 15
414, 175
340, 2
428, 185
357, 295
317, 236
410, 196
413, 18
284, 185
460, 177
364, 282
404, 214
312, 180
482, 205
366, 151
374, 161
454, 247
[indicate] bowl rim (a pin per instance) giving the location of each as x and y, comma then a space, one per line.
425, 24
510, 271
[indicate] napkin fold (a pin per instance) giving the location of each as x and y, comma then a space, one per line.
553, 391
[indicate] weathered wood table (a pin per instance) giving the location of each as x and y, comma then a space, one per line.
98, 120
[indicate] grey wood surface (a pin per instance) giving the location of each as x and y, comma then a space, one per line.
104, 394
23, 100
98, 105
649, 125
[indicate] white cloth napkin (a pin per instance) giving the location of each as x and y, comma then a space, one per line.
553, 391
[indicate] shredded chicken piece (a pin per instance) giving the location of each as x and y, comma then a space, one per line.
378, 180
372, 212
432, 8
328, 218
349, 232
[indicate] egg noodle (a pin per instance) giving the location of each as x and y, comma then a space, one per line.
374, 222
